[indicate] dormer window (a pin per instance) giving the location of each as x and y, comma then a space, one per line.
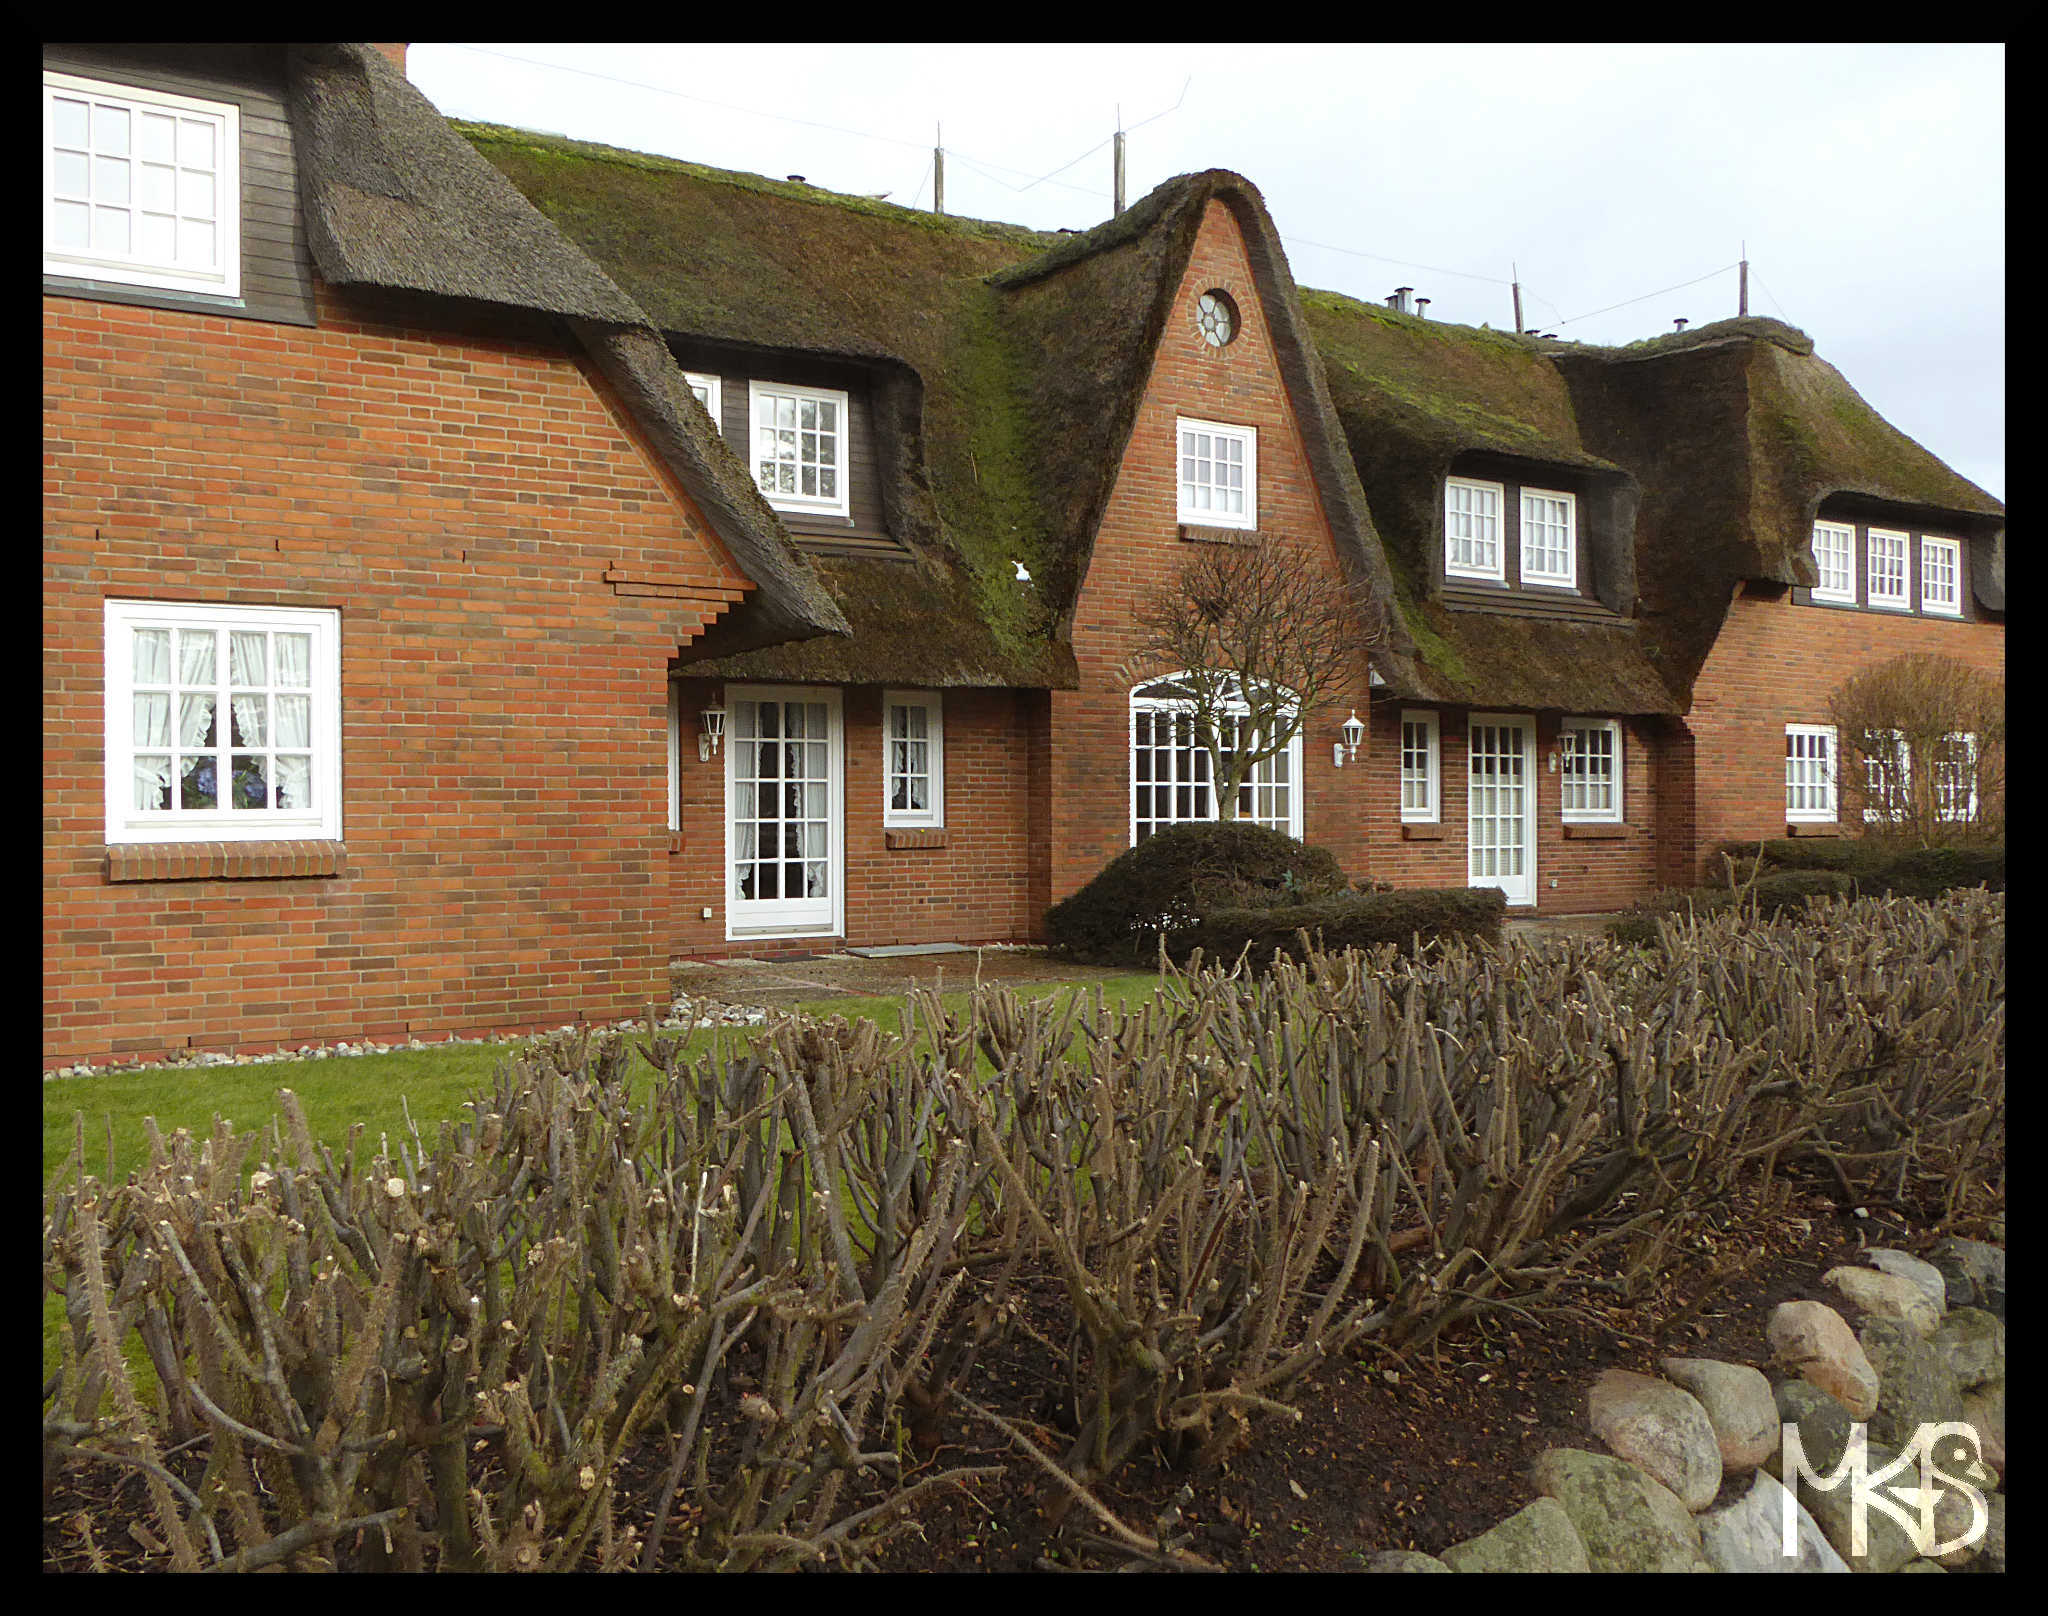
799, 450
710, 393
140, 188
1472, 537
1941, 581
1834, 554
1550, 538
1888, 570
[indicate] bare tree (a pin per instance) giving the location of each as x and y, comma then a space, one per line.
1922, 742
1244, 644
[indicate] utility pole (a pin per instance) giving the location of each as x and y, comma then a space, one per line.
1516, 272
1119, 206
938, 169
1742, 286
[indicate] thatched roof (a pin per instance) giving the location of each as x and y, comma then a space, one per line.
1738, 432
1418, 398
395, 200
1006, 369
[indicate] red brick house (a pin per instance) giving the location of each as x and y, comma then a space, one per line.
481, 565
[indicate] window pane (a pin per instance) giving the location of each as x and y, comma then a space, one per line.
195, 242
71, 225
252, 781
196, 783
159, 188
110, 180
248, 720
157, 238
68, 173
152, 782
294, 781
195, 194
157, 137
152, 718
195, 720
110, 130
195, 143
110, 230
152, 650
67, 122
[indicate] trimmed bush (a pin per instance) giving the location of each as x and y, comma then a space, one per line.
1341, 921
1772, 895
1882, 869
1176, 875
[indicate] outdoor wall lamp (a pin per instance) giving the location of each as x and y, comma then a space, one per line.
714, 731
1346, 750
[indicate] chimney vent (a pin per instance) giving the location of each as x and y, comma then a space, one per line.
794, 179
1399, 301
1422, 307
1678, 324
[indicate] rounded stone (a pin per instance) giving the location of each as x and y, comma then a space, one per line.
1917, 1386
1920, 1271
1538, 1538
1886, 1296
1749, 1533
1397, 1560
1973, 1343
1738, 1402
1653, 1424
1814, 1341
1627, 1521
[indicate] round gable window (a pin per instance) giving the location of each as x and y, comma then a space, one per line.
1216, 318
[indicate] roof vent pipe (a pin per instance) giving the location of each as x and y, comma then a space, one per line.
1678, 325
1422, 307
794, 179
1399, 301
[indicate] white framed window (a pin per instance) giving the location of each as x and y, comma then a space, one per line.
710, 391
1421, 769
140, 187
1809, 773
1954, 777
785, 811
1590, 757
1941, 576
800, 447
1887, 777
913, 760
1171, 781
1472, 544
1887, 567
1550, 538
1219, 474
1834, 554
223, 722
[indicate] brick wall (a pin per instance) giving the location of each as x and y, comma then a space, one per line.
1774, 664
1138, 546
457, 486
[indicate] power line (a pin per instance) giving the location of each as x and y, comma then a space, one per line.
1773, 296
1381, 258
1681, 286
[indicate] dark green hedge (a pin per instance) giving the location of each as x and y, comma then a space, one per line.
1170, 878
1343, 920
1882, 869
1773, 894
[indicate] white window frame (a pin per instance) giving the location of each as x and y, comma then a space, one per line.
1828, 811
839, 504
1903, 601
133, 268
1844, 595
1248, 436
1499, 571
1874, 769
1929, 602
1613, 814
127, 824
1569, 578
1141, 703
1431, 811
932, 703
1970, 761
712, 397
786, 917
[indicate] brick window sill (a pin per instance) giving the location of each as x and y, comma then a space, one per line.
1596, 833
1831, 828
1193, 534
224, 861
1422, 833
932, 836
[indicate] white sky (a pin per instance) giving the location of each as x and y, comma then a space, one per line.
1867, 181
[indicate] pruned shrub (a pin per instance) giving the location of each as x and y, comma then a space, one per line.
1174, 876
1768, 895
1343, 920
1882, 869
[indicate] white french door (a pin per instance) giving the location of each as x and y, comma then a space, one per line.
1500, 806
784, 814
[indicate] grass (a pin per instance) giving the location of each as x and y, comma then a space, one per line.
340, 1091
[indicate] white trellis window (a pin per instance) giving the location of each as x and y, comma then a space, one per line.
1887, 777
1834, 554
1809, 772
800, 447
710, 391
1472, 545
1888, 570
1171, 776
223, 722
1421, 768
1954, 777
1219, 474
1941, 581
913, 766
1550, 537
140, 187
1590, 756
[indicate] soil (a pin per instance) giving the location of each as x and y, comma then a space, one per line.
1415, 1453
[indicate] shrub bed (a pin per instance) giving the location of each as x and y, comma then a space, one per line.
1769, 895
1881, 869
1344, 920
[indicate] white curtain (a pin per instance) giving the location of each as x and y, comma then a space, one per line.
247, 668
152, 656
294, 660
195, 667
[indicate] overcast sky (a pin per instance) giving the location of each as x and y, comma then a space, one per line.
1867, 181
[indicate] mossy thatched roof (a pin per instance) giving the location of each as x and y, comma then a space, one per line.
1008, 365
395, 200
